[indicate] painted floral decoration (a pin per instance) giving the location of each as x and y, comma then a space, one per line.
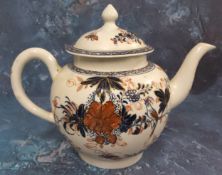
102, 119
110, 109
127, 120
73, 117
92, 37
104, 83
163, 97
132, 95
125, 37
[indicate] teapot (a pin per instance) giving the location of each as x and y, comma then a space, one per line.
111, 103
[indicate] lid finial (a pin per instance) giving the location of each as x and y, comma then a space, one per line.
109, 14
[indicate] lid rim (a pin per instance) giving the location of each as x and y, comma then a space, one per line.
91, 53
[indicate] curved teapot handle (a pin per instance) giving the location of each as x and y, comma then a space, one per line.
21, 60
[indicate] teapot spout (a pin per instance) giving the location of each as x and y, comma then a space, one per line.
182, 82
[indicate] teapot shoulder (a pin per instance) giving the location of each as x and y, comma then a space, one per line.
148, 74
75, 80
156, 73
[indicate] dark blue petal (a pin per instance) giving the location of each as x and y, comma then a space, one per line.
81, 111
82, 132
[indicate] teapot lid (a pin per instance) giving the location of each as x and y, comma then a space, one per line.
109, 40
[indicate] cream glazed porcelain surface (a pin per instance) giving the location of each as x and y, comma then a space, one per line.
111, 103
125, 109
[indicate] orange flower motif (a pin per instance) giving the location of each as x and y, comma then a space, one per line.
102, 119
92, 37
55, 102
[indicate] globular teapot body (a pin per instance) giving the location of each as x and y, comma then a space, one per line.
112, 115
111, 103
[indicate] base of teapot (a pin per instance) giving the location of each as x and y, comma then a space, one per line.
111, 164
